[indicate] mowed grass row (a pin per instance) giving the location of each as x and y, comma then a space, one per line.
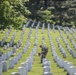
37, 68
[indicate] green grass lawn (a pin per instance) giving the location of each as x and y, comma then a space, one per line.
37, 68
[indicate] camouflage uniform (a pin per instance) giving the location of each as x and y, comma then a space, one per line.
44, 52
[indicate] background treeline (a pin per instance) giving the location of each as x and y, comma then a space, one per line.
17, 12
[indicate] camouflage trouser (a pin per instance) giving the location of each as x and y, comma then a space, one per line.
42, 56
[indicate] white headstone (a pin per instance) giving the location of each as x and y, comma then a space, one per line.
44, 59
19, 56
46, 69
74, 73
68, 66
4, 66
4, 56
61, 63
74, 54
22, 71
65, 64
1, 43
0, 59
24, 64
0, 68
10, 43
46, 63
15, 73
15, 60
11, 63
7, 45
14, 49
47, 73
7, 57
71, 70
29, 64
9, 54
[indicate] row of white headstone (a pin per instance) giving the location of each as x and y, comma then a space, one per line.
68, 47
72, 31
46, 63
54, 28
43, 27
26, 47
6, 36
66, 30
4, 65
36, 34
73, 43
10, 65
11, 43
65, 41
73, 35
46, 67
68, 66
13, 37
11, 61
7, 55
33, 23
27, 65
61, 48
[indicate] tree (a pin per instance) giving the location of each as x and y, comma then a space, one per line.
61, 10
13, 12
45, 16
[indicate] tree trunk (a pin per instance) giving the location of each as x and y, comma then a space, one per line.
37, 2
45, 4
61, 19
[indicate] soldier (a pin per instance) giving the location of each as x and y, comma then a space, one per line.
44, 51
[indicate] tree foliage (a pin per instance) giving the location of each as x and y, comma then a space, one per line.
13, 12
45, 16
60, 9
16, 12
